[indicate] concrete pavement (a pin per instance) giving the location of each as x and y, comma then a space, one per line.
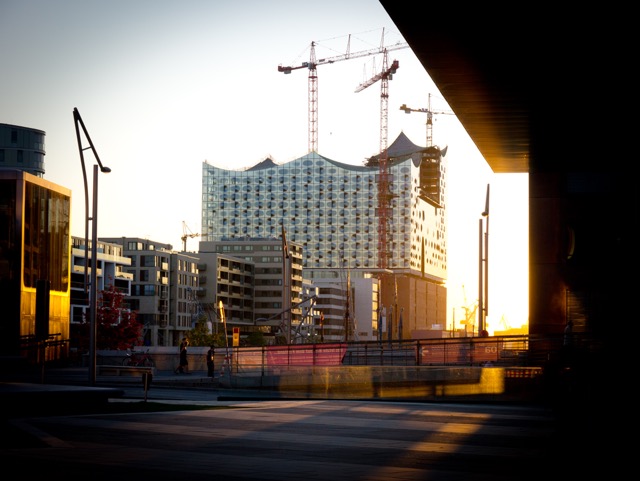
242, 438
292, 441
258, 435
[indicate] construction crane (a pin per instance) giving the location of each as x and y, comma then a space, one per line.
286, 330
469, 313
430, 169
430, 113
384, 193
312, 65
186, 233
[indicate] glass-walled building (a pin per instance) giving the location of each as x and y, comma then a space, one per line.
22, 148
332, 210
35, 260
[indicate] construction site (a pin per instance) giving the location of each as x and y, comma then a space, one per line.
376, 231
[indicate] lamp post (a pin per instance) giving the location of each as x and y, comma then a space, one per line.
483, 271
286, 286
93, 288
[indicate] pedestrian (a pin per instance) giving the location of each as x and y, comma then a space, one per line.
568, 334
210, 361
183, 366
567, 343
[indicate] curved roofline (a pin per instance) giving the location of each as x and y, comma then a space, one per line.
22, 127
269, 163
399, 151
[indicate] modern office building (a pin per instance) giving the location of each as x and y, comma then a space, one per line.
35, 253
331, 209
161, 288
22, 148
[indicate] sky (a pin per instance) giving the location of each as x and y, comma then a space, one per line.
163, 86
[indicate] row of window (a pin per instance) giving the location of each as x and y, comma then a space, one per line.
310, 196
234, 179
257, 202
318, 186
318, 221
19, 156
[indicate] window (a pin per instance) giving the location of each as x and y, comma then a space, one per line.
46, 227
147, 261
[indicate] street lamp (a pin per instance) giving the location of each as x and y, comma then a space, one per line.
286, 286
93, 290
483, 271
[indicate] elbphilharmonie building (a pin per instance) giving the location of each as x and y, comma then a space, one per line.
332, 210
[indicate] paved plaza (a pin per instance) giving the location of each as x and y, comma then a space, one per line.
247, 435
292, 440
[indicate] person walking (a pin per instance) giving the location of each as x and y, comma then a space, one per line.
183, 366
567, 340
210, 361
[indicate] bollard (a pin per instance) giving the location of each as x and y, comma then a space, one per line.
146, 382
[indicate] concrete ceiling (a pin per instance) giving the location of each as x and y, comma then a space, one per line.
481, 79
496, 73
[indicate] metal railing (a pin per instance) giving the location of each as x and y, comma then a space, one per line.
500, 351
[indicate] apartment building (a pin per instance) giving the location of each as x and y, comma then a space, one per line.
161, 288
111, 270
259, 282
228, 281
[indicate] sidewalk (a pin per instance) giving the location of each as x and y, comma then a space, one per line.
64, 390
435, 384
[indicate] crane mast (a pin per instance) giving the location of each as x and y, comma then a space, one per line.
312, 65
384, 192
313, 102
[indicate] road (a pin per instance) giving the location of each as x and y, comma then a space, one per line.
292, 440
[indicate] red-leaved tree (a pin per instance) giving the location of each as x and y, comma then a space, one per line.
116, 327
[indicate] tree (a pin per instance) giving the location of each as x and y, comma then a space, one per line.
200, 335
256, 338
116, 326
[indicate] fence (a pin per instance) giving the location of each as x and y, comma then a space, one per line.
441, 352
499, 351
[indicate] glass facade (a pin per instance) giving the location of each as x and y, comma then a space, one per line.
35, 251
46, 237
331, 209
22, 148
